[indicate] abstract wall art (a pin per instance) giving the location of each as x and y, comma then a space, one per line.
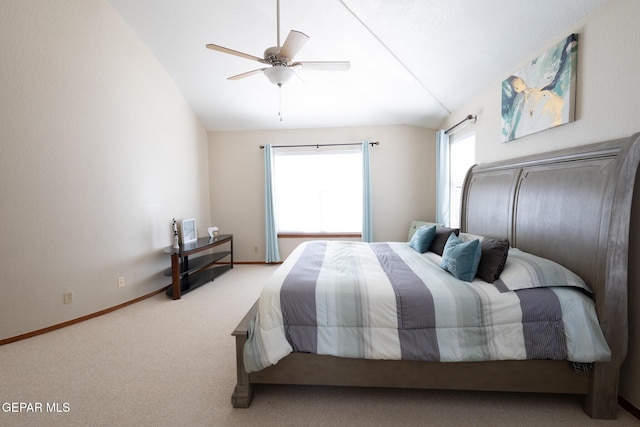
542, 94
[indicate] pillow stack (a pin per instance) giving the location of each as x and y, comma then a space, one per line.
466, 256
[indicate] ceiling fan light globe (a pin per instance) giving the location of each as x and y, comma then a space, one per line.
278, 74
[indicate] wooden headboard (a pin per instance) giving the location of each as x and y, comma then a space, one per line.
572, 206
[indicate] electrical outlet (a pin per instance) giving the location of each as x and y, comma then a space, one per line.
255, 249
121, 282
68, 297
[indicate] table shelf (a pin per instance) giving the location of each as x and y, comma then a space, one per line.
190, 273
193, 281
197, 263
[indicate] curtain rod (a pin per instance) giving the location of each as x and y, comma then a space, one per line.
321, 145
469, 117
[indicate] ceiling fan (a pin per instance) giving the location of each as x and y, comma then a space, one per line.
280, 58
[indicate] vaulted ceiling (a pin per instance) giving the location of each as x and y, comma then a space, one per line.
413, 62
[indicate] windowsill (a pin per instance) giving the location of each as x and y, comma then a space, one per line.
316, 235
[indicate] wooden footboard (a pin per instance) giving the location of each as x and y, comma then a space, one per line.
243, 392
539, 376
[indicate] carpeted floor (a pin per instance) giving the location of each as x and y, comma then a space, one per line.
172, 363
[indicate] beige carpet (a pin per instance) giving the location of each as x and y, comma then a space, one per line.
171, 363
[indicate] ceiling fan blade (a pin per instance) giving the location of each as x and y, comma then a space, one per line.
323, 65
234, 52
292, 45
247, 74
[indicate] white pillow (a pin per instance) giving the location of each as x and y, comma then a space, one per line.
524, 270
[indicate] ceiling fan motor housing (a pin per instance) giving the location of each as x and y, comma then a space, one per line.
272, 56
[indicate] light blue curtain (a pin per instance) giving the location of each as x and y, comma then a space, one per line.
443, 178
272, 253
367, 218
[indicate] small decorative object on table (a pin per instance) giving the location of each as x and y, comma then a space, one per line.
213, 232
176, 241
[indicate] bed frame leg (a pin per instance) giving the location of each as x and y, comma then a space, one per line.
243, 392
242, 395
602, 400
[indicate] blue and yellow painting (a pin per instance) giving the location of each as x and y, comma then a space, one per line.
542, 94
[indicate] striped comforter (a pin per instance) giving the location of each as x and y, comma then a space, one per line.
387, 301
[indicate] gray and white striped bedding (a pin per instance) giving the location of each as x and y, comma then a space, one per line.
387, 301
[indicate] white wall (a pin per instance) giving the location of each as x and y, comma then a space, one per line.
98, 151
607, 107
608, 89
402, 168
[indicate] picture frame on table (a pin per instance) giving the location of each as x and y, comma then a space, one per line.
189, 231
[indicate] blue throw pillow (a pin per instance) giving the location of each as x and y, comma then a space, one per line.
461, 258
422, 238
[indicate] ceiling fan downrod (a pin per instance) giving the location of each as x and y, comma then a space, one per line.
278, 23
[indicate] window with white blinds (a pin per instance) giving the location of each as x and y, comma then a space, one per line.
462, 157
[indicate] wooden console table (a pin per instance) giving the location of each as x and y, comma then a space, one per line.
187, 274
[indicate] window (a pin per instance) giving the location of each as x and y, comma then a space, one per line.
318, 191
462, 157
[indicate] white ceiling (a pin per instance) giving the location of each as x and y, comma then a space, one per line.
412, 61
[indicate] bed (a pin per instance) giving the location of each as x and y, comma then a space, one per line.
571, 208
